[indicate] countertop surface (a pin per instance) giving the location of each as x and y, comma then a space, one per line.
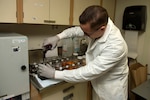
143, 90
42, 85
36, 57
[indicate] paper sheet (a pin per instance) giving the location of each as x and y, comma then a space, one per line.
131, 38
48, 82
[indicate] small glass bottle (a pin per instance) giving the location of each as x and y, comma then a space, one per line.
74, 58
69, 61
50, 63
57, 65
80, 59
66, 67
73, 66
84, 60
79, 65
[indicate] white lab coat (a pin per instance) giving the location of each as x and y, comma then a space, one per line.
106, 67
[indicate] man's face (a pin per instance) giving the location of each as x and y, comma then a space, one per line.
95, 33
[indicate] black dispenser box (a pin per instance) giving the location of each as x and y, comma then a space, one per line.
134, 18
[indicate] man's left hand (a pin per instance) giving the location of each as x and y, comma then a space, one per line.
46, 71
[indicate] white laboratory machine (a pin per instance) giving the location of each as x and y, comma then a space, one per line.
14, 67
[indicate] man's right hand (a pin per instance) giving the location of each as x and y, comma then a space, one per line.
51, 40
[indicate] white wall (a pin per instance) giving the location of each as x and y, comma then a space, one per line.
144, 38
35, 33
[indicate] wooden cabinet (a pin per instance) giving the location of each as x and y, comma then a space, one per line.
46, 11
80, 92
59, 11
34, 94
66, 91
8, 11
110, 6
79, 7
35, 11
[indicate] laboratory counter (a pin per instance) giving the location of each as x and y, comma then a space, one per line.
60, 91
143, 90
51, 89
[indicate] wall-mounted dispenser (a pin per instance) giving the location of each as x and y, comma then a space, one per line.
134, 18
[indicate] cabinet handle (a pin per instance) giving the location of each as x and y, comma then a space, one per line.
68, 97
68, 89
49, 21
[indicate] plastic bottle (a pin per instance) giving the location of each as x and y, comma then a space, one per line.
76, 44
67, 47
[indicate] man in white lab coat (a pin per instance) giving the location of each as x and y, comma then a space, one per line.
106, 57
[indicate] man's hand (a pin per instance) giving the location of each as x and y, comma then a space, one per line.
46, 71
51, 40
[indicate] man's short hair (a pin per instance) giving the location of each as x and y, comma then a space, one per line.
95, 15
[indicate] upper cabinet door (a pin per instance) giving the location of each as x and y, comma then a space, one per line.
110, 6
59, 12
46, 11
35, 11
79, 7
8, 11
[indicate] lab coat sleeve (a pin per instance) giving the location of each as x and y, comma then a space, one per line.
111, 56
71, 32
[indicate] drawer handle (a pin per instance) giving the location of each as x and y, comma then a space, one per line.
68, 97
68, 89
49, 21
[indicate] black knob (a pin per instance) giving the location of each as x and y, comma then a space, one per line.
23, 67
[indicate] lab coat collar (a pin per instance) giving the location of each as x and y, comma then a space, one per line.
107, 31
104, 37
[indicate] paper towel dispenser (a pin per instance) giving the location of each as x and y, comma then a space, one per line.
134, 18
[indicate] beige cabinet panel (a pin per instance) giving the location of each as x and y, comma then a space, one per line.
35, 11
8, 11
59, 11
65, 91
59, 92
110, 6
80, 92
79, 6
46, 11
54, 96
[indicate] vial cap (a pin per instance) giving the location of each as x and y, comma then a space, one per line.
67, 66
75, 54
80, 57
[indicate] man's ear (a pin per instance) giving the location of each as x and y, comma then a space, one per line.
103, 27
